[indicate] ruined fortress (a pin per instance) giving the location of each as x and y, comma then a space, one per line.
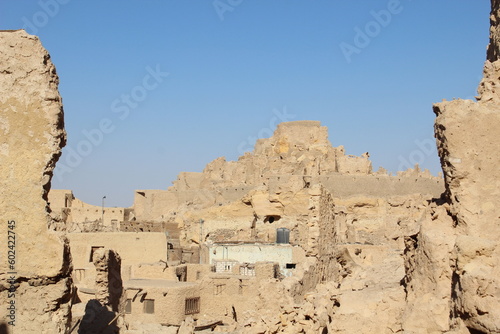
294, 237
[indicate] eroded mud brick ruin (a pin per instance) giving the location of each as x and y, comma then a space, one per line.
36, 288
294, 237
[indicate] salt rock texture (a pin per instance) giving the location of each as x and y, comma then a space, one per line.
31, 123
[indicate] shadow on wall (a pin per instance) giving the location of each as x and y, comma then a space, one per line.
115, 282
98, 319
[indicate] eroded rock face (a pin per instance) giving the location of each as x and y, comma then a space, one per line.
494, 46
102, 313
457, 246
467, 135
488, 92
32, 135
108, 278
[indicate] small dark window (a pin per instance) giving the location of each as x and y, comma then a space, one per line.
149, 306
242, 288
474, 331
128, 306
290, 266
192, 305
282, 235
219, 288
271, 219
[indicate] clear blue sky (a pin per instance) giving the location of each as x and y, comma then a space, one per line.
368, 70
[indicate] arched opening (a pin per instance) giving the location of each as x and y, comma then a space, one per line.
271, 219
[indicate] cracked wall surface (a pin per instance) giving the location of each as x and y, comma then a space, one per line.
467, 134
38, 280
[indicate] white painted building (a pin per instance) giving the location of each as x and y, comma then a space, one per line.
225, 256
